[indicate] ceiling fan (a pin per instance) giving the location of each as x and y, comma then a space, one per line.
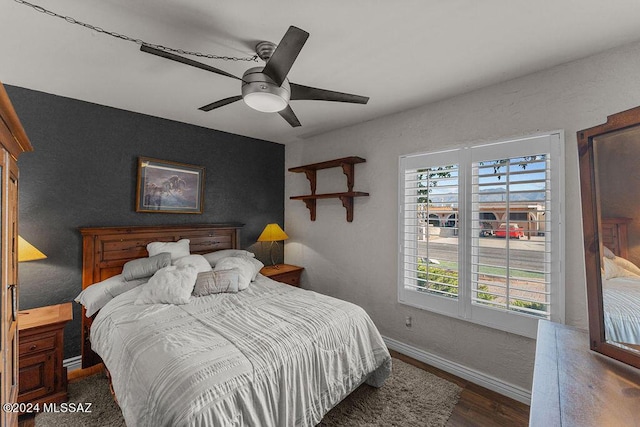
267, 88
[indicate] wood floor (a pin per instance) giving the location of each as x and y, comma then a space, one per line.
478, 406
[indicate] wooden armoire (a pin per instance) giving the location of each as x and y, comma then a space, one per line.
13, 142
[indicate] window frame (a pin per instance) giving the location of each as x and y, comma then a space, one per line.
549, 143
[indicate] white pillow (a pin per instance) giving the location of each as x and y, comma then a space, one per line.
246, 269
198, 261
257, 266
613, 270
608, 252
99, 294
176, 249
170, 285
214, 257
627, 265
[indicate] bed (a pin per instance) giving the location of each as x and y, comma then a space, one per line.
620, 285
622, 309
270, 355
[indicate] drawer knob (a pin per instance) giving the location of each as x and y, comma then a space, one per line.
33, 347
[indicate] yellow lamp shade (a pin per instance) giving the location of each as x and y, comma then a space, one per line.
272, 233
28, 252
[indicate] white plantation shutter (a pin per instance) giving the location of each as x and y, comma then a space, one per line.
429, 200
517, 279
452, 206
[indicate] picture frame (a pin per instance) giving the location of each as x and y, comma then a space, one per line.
169, 187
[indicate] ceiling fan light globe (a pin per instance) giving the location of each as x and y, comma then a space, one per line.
265, 101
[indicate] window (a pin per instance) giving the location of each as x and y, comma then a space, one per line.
518, 216
494, 255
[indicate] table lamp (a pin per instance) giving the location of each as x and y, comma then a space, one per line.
272, 233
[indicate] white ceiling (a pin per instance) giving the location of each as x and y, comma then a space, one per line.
401, 54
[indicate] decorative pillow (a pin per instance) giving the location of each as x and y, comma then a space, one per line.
198, 261
215, 282
170, 285
99, 294
608, 253
145, 267
176, 249
613, 270
214, 257
245, 268
627, 265
257, 266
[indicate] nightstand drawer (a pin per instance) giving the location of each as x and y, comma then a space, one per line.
292, 278
36, 345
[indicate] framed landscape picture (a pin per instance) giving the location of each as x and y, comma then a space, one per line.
169, 187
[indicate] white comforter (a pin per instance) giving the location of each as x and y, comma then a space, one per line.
272, 355
621, 301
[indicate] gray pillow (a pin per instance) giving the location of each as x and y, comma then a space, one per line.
145, 267
99, 294
216, 282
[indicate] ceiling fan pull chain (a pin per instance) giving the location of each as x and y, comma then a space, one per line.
140, 42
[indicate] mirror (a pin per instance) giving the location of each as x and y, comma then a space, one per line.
610, 185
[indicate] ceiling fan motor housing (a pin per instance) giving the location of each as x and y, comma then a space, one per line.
261, 93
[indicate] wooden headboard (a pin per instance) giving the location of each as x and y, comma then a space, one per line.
106, 249
614, 235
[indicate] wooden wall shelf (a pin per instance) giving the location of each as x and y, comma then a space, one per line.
347, 165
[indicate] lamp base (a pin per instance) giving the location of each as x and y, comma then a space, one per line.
273, 262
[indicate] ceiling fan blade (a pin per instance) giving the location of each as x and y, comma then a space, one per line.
220, 103
290, 117
285, 54
299, 92
178, 58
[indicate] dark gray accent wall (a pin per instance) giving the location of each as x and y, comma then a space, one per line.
83, 174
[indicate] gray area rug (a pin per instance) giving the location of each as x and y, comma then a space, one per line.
410, 397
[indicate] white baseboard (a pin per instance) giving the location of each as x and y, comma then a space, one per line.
487, 381
72, 363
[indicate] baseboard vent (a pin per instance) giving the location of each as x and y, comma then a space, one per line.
72, 363
514, 392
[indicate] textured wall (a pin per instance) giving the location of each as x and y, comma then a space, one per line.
83, 173
358, 261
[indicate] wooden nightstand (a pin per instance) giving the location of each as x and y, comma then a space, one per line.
42, 378
285, 273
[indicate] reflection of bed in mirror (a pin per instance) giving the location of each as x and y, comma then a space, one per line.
620, 285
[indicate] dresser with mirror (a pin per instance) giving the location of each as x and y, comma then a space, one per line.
592, 378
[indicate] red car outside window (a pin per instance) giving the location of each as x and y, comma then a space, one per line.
515, 232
